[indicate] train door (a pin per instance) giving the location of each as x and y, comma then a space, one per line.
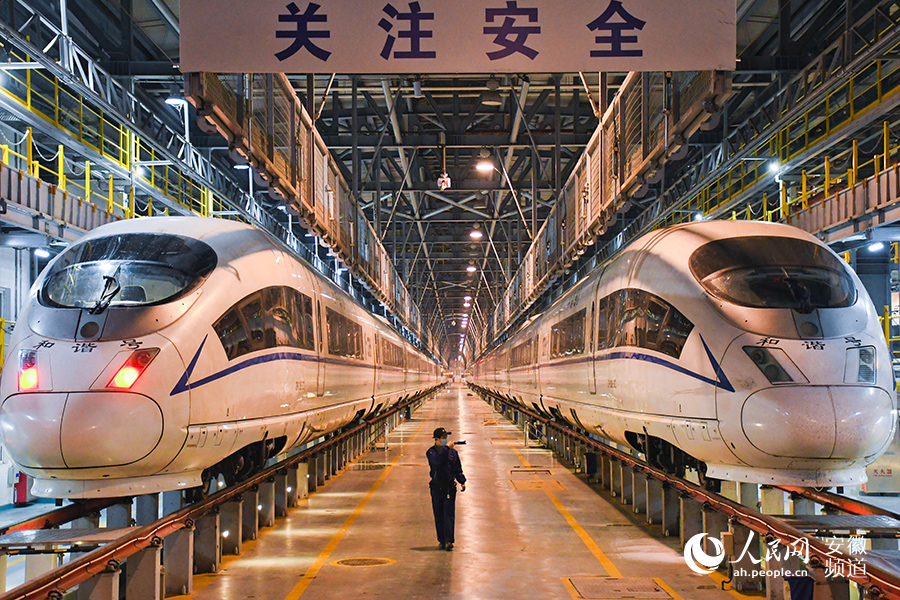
372, 352
320, 376
592, 329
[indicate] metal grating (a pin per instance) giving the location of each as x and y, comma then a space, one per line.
516, 471
609, 588
534, 485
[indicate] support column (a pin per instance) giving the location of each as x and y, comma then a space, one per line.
626, 480
281, 494
606, 466
729, 489
802, 506
293, 485
321, 460
118, 516
172, 502
615, 477
639, 488
147, 509
713, 524
671, 506
742, 537
178, 558
91, 521
590, 466
691, 519
142, 575
207, 543
303, 480
102, 586
267, 502
772, 502
250, 515
232, 518
312, 471
38, 564
749, 495
654, 500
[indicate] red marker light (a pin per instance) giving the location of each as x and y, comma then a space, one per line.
133, 368
28, 375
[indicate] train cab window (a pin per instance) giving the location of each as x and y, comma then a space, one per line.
344, 335
773, 272
602, 325
145, 268
302, 320
252, 311
233, 334
567, 336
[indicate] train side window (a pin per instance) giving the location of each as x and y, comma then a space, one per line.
233, 334
251, 308
602, 328
301, 306
674, 334
639, 318
567, 336
279, 320
344, 335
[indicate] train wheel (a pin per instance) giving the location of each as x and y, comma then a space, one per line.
708, 483
200, 493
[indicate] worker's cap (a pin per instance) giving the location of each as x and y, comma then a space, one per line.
440, 432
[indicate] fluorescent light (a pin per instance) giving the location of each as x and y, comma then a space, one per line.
876, 246
774, 167
41, 253
241, 167
698, 216
467, 298
475, 234
484, 165
176, 101
471, 269
467, 305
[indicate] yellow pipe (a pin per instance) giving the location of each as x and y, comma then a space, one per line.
5, 154
130, 213
803, 191
887, 145
87, 180
2, 342
29, 153
785, 209
109, 200
887, 324
827, 176
855, 169
61, 168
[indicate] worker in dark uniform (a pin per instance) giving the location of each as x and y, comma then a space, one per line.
446, 470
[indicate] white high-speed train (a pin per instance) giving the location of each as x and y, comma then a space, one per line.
157, 353
747, 351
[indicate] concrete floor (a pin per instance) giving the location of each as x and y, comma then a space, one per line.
510, 543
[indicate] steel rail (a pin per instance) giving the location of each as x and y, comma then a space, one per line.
54, 583
838, 502
880, 583
54, 518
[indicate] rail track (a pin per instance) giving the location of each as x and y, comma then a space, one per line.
879, 582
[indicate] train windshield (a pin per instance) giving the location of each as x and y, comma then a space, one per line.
130, 269
773, 272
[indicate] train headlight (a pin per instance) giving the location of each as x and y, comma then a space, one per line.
765, 361
28, 374
860, 365
133, 368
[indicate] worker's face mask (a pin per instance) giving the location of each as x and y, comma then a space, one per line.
444, 441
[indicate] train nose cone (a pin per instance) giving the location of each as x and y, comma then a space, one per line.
80, 429
840, 422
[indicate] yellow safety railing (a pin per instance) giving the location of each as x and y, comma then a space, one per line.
863, 93
5, 329
887, 320
42, 94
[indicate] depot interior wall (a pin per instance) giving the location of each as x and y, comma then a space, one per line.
15, 280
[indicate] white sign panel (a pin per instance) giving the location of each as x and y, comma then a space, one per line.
456, 36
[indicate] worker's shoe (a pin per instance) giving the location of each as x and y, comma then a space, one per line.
449, 547
443, 546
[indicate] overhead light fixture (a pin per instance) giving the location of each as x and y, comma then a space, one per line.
467, 298
476, 234
876, 246
698, 216
417, 88
492, 97
41, 253
175, 101
467, 304
774, 167
484, 164
242, 167
471, 269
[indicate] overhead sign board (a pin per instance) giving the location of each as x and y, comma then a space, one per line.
456, 36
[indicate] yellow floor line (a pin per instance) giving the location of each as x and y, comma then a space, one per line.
719, 578
668, 589
326, 553
611, 569
567, 583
